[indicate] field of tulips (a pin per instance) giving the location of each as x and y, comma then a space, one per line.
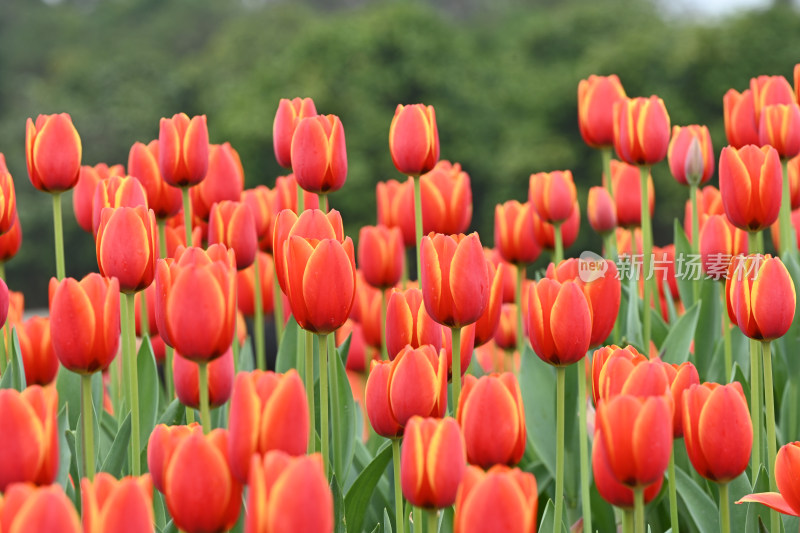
645, 389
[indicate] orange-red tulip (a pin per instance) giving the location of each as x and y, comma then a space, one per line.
601, 210
599, 359
552, 195
467, 347
224, 180
509, 273
607, 485
446, 196
741, 126
502, 499
455, 278
161, 447
414, 139
268, 412
83, 197
717, 430
770, 90
116, 191
289, 113
27, 508
545, 232
367, 311
162, 198
433, 461
641, 130
787, 477
183, 149
681, 377
53, 152
288, 494
487, 323
514, 236
719, 242
380, 255
492, 417
319, 156
596, 98
84, 322
220, 380
559, 321
417, 384
376, 401
196, 301
16, 304
709, 202
359, 354
623, 374
152, 325
750, 182
396, 207
407, 322
245, 287
627, 186
774, 231
231, 223
30, 436
260, 201
8, 198
506, 334
127, 246
780, 128
691, 154
38, 356
110, 505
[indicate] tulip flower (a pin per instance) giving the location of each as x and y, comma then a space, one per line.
596, 98
417, 384
162, 198
231, 223
8, 198
127, 246
288, 494
220, 380
319, 157
83, 197
607, 485
396, 207
786, 474
492, 417
116, 191
502, 499
376, 401
38, 356
224, 180
780, 128
606, 376
769, 90
545, 232
407, 322
446, 196
487, 323
514, 237
53, 152
285, 196
709, 202
268, 412
289, 113
30, 436
691, 155
681, 377
509, 273
260, 201
368, 311
359, 354
750, 184
641, 130
625, 184
111, 505
245, 288
560, 321
505, 337
719, 242
601, 210
553, 195
380, 255
433, 462
414, 139
183, 150
27, 508
741, 126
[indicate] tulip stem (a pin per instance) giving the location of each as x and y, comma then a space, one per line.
301, 200
726, 335
673, 491
168, 350
433, 521
456, 351
133, 380
205, 411
418, 222
560, 385
521, 268
417, 512
404, 274
323, 400
627, 521
187, 215
647, 250
384, 348
59, 234
558, 252
755, 408
258, 318
695, 240
336, 407
606, 154
772, 451
312, 409
586, 503
638, 509
88, 429
277, 313
785, 215
724, 510
398, 493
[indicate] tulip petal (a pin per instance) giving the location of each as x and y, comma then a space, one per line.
773, 500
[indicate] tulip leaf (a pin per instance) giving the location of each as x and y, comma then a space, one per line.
288, 349
633, 319
343, 413
14, 377
676, 346
170, 527
446, 520
117, 457
548, 517
246, 357
68, 385
789, 430
362, 490
757, 514
339, 520
538, 385
702, 509
683, 249
173, 415
709, 320
148, 391
74, 471
159, 510
791, 523
387, 522
64, 456
376, 529
737, 489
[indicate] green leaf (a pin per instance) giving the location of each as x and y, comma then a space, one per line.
682, 248
387, 522
737, 489
539, 399
360, 493
148, 392
702, 509
756, 512
676, 346
339, 520
246, 356
546, 524
446, 520
173, 415
343, 414
73, 467
14, 377
709, 321
633, 321
287, 352
117, 457
68, 385
64, 456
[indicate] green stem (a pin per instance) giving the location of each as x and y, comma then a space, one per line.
560, 385
301, 200
312, 410
384, 348
323, 400
235, 347
521, 268
88, 430
772, 451
187, 215
433, 521
418, 222
143, 317
133, 381
161, 223
336, 407
610, 245
59, 233
417, 519
695, 241
404, 275
638, 509
558, 252
258, 318
205, 411
323, 203
456, 349
673, 491
647, 251
277, 313
189, 415
785, 214
755, 407
398, 492
726, 334
627, 521
606, 154
586, 503
724, 510
169, 355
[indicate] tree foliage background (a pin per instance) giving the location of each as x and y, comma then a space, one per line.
502, 76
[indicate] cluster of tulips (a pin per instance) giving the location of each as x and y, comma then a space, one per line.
184, 253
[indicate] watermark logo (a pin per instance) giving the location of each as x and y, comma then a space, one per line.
591, 266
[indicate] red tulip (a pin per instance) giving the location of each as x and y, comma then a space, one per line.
245, 287
38, 356
8, 198
433, 461
414, 139
84, 322
787, 474
220, 380
285, 196
150, 309
717, 430
601, 210
367, 311
260, 201
681, 377
116, 191
607, 485
599, 371
53, 152
183, 150
29, 508
719, 242
446, 197
596, 99
492, 417
407, 322
709, 202
691, 154
769, 90
641, 130
741, 126
360, 354
508, 271
514, 236
553, 195
161, 447
487, 323
319, 156
559, 321
83, 197
396, 207
545, 232
502, 499
380, 255
162, 198
417, 384
626, 185
506, 334
224, 180
231, 223
289, 113
455, 278
793, 174
750, 181
780, 128
467, 345
127, 246
376, 401
288, 494
111, 505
